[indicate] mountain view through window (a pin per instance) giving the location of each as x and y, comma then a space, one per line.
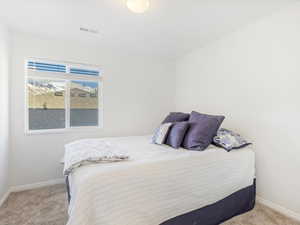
62, 103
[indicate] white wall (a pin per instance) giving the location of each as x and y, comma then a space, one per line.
252, 76
135, 101
4, 128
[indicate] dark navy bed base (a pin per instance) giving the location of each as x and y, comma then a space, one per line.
68, 189
238, 203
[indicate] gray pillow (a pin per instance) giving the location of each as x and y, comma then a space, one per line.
176, 134
202, 130
161, 133
229, 140
176, 117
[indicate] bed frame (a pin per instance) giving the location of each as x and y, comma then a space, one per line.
238, 203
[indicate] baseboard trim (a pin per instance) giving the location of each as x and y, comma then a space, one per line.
278, 208
35, 185
5, 196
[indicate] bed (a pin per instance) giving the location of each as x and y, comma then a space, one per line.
161, 185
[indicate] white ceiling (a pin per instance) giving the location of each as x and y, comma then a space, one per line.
169, 29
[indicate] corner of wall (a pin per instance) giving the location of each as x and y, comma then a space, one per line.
4, 114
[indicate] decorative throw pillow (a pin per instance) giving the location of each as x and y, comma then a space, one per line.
202, 130
177, 133
176, 117
198, 117
161, 133
229, 140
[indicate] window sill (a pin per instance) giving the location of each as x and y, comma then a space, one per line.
63, 131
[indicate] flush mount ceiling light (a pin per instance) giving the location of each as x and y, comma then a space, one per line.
138, 6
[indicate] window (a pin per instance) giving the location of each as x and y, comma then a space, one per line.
62, 96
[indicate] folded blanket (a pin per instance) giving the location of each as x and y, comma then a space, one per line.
85, 151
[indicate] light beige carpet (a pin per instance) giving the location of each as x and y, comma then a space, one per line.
48, 206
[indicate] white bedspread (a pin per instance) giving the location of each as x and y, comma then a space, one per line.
156, 184
86, 151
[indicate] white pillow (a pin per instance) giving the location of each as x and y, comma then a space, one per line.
160, 134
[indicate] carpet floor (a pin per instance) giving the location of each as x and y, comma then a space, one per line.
48, 206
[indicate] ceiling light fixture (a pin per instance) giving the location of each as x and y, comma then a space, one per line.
138, 6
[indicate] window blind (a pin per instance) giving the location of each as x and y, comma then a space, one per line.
62, 68
47, 67
84, 71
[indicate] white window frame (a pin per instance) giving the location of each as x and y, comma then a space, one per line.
68, 78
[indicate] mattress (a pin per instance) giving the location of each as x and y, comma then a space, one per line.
157, 183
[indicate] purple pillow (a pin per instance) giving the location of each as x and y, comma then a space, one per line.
176, 117
197, 117
202, 130
176, 134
